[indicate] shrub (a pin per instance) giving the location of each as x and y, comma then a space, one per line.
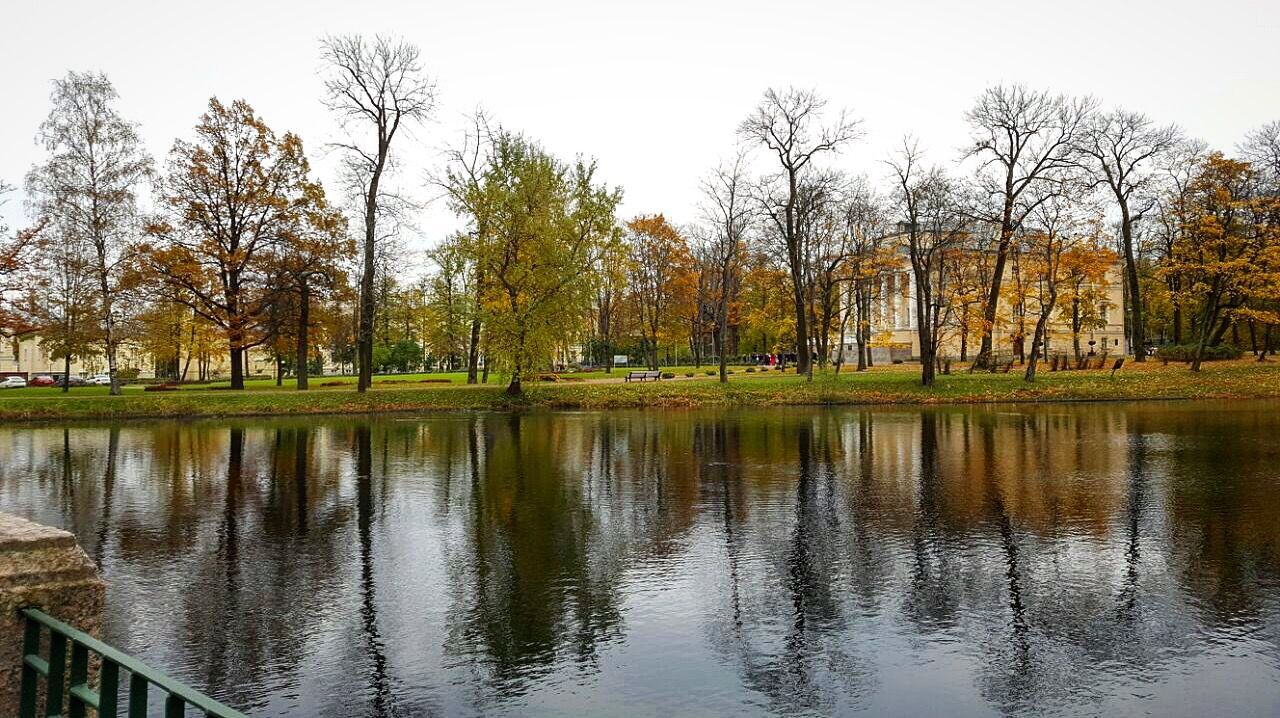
332, 383
751, 370
421, 381
160, 387
710, 372
1187, 352
688, 373
897, 361
668, 375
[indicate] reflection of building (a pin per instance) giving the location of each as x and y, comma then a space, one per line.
894, 319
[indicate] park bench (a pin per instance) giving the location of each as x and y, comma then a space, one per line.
643, 375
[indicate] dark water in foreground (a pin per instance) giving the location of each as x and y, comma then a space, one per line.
1061, 560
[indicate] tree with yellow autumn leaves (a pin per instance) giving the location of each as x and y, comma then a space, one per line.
661, 281
1228, 254
240, 211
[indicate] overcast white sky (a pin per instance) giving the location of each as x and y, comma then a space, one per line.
654, 89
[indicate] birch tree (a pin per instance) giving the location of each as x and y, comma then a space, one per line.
87, 187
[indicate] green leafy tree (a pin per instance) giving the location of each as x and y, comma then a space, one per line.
550, 223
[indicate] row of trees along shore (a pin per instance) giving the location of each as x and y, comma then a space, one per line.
231, 244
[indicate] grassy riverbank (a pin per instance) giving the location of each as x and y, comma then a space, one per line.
883, 385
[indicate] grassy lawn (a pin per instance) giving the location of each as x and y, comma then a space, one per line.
882, 385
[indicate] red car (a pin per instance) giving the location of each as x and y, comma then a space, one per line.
42, 380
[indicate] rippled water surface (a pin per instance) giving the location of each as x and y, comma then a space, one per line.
1059, 560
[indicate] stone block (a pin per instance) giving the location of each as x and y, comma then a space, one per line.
41, 567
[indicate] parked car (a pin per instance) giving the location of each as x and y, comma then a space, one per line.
42, 380
100, 380
71, 381
13, 382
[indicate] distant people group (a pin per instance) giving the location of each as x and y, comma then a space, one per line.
773, 359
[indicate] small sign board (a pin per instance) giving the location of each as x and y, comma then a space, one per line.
619, 359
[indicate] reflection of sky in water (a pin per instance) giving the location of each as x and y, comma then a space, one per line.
1061, 560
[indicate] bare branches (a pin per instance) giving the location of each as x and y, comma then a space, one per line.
1122, 148
380, 83
1262, 148
1023, 137
787, 123
379, 86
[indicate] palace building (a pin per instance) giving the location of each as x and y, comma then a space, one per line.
894, 333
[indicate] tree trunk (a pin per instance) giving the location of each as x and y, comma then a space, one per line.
1207, 319
924, 313
364, 337
1137, 332
304, 323
997, 278
66, 373
860, 321
1220, 331
1075, 326
1038, 339
237, 365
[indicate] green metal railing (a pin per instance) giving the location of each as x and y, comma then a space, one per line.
72, 689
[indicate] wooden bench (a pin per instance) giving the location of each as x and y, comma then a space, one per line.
643, 375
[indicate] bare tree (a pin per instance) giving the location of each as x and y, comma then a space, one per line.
729, 215
787, 123
1261, 147
1123, 148
1021, 139
87, 188
826, 251
866, 231
378, 88
933, 221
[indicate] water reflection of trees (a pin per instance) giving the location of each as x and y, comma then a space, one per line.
1054, 549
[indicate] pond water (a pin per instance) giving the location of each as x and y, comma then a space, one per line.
1057, 560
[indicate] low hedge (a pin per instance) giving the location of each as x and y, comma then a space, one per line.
1187, 352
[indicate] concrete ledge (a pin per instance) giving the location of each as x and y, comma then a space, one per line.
41, 566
